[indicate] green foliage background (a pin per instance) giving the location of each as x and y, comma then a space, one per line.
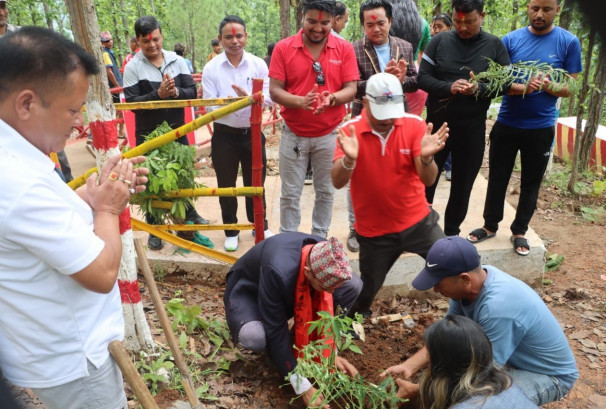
195, 23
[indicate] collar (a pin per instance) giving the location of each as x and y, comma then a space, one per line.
13, 144
222, 58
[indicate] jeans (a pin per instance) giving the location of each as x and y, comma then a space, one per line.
378, 255
230, 148
541, 389
350, 212
534, 146
294, 156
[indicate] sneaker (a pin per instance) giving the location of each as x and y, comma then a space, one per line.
352, 241
448, 175
309, 177
266, 234
154, 243
231, 243
197, 219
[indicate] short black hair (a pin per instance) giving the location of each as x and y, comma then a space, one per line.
321, 5
340, 9
145, 25
40, 59
231, 19
180, 49
270, 48
376, 4
467, 6
214, 42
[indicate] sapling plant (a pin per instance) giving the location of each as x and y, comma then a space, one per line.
171, 167
498, 76
338, 389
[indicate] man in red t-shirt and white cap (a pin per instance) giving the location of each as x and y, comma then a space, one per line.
388, 155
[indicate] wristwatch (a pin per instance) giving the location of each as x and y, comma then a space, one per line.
333, 101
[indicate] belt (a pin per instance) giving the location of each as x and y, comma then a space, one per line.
230, 130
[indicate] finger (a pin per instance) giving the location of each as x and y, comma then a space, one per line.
429, 128
352, 130
91, 181
314, 90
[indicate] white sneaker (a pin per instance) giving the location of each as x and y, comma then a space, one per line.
231, 243
266, 234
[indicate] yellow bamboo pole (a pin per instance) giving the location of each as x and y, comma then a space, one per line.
195, 227
175, 134
186, 244
179, 103
215, 191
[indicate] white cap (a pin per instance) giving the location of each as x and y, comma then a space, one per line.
385, 85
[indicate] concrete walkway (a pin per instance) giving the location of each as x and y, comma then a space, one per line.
497, 251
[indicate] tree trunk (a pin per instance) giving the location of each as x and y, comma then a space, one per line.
118, 49
47, 15
298, 15
101, 115
514, 13
575, 169
284, 18
566, 14
125, 29
595, 108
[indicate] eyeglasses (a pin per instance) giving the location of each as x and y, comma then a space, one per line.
386, 99
318, 69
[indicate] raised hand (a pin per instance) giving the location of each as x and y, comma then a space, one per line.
433, 143
349, 144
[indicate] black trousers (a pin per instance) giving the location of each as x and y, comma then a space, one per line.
534, 146
466, 144
231, 147
378, 255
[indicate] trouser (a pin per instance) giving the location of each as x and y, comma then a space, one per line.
350, 212
466, 144
231, 147
534, 146
294, 155
378, 255
246, 311
102, 389
541, 389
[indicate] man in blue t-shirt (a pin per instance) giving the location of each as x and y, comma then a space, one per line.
526, 120
526, 338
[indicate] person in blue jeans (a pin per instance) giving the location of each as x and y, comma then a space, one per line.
526, 338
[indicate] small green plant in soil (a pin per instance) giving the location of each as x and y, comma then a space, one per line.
553, 262
340, 390
157, 370
593, 214
498, 76
171, 167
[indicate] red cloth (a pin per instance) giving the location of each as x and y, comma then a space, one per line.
386, 191
306, 307
291, 63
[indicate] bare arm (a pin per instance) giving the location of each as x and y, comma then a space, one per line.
409, 367
112, 77
342, 169
279, 95
430, 145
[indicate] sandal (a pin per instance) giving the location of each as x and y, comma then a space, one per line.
520, 242
480, 235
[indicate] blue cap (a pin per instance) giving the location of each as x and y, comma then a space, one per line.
447, 257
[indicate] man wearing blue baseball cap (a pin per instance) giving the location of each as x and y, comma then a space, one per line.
526, 338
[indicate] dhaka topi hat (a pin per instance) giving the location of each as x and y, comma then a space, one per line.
329, 263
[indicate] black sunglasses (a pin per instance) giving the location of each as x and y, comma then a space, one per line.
386, 99
318, 69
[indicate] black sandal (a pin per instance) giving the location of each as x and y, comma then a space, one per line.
480, 235
520, 242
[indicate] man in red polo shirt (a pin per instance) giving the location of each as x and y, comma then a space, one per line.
389, 161
312, 75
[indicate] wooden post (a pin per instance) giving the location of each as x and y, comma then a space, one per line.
256, 117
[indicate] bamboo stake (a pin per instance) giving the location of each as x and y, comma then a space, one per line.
116, 349
176, 133
186, 244
199, 227
188, 384
180, 103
